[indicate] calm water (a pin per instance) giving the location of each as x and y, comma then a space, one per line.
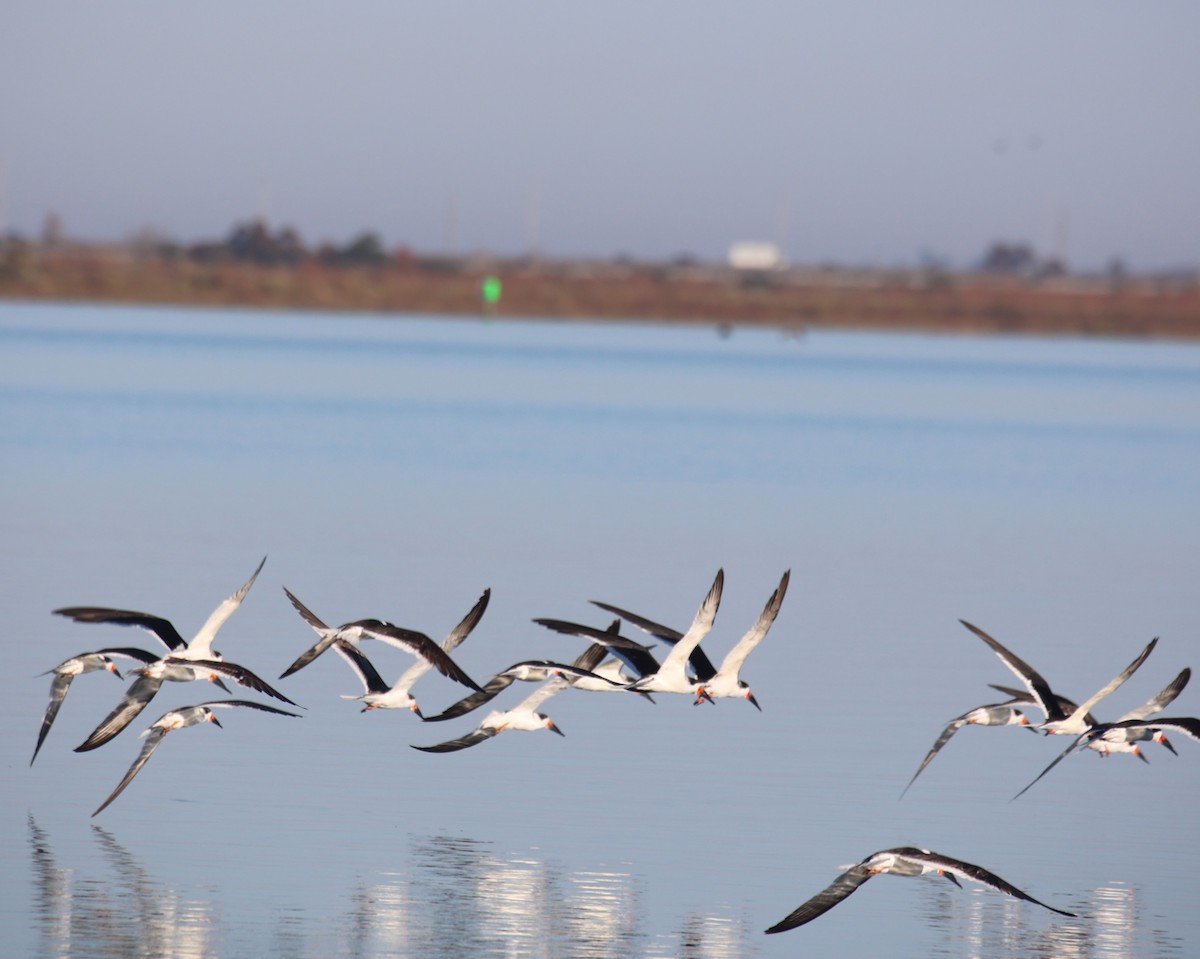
395, 467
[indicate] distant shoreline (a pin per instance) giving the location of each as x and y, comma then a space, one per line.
790, 300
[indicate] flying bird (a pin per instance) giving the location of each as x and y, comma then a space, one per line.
1125, 739
580, 674
727, 683
672, 676
171, 669
1058, 722
201, 645
377, 694
409, 640
627, 654
902, 861
1124, 734
179, 719
185, 661
524, 716
66, 671
1188, 725
997, 714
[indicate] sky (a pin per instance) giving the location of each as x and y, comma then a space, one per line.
852, 133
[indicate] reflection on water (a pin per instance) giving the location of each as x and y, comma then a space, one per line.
459, 898
128, 914
1111, 926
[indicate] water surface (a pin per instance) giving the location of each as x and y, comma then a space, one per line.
398, 466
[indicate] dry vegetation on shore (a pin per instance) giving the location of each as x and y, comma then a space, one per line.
789, 299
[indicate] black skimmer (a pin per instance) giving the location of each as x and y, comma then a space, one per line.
171, 669
409, 640
377, 694
997, 714
184, 662
1124, 735
698, 661
902, 861
1125, 739
630, 654
179, 719
66, 671
524, 716
672, 676
580, 674
726, 683
1188, 725
1057, 721
201, 645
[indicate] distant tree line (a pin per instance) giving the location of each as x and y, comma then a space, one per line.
254, 242
1019, 259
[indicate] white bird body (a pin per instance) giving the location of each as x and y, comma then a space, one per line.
672, 676
179, 719
170, 669
377, 694
1000, 714
1057, 721
1125, 739
1138, 725
65, 673
727, 682
523, 716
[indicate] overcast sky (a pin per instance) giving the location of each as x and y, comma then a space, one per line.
852, 132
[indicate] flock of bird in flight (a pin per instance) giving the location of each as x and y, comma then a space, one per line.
611, 663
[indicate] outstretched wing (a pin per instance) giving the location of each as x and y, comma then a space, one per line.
701, 626
227, 703
1033, 680
551, 687
363, 667
472, 738
605, 637
136, 698
469, 622
1162, 700
418, 644
154, 736
1115, 683
702, 666
823, 901
1061, 756
732, 663
1188, 725
161, 628
660, 632
452, 641
594, 655
327, 636
58, 692
975, 873
952, 727
239, 674
201, 644
491, 689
